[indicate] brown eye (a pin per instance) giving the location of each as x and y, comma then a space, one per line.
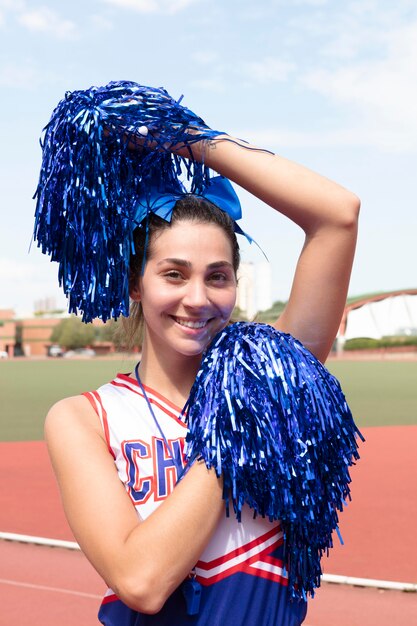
173, 275
218, 277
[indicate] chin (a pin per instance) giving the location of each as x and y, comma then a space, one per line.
194, 352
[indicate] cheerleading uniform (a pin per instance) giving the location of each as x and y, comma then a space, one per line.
241, 570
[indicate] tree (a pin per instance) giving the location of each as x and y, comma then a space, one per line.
72, 333
272, 314
112, 331
107, 331
238, 315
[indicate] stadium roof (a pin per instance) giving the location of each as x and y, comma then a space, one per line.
380, 315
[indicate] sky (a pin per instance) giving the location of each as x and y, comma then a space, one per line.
330, 84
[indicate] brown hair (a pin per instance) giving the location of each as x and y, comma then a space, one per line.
190, 208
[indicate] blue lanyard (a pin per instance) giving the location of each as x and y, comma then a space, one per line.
179, 467
191, 588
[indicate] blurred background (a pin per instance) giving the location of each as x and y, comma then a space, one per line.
329, 84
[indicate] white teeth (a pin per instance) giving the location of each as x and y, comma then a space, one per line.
189, 324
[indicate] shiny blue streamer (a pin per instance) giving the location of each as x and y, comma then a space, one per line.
272, 420
91, 179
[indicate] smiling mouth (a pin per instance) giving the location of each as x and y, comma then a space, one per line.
191, 323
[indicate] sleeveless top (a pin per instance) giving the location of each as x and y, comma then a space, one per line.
241, 570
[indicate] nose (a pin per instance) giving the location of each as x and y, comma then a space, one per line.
196, 295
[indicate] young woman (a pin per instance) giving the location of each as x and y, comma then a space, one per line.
116, 451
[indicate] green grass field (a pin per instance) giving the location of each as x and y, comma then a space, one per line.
379, 393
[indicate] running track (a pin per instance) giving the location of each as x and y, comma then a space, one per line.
44, 586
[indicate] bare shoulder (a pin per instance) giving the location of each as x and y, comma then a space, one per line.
76, 444
71, 417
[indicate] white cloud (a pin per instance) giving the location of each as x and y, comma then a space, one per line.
220, 75
268, 70
347, 45
313, 3
381, 93
356, 136
254, 12
282, 137
44, 20
12, 5
205, 57
7, 7
20, 76
175, 6
152, 6
141, 6
100, 22
213, 85
28, 74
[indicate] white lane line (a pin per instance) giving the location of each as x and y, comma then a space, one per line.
40, 541
369, 582
326, 578
83, 594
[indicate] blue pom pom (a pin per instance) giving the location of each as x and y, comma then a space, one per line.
91, 178
272, 420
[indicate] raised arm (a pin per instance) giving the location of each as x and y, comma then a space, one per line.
143, 562
326, 212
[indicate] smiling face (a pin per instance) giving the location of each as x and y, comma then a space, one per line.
187, 291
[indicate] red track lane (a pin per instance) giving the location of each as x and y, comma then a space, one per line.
377, 527
339, 605
30, 497
41, 586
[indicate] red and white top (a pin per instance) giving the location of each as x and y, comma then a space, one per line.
241, 555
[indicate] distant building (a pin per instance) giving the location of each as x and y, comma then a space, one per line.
245, 298
380, 315
7, 331
46, 305
263, 286
254, 291
36, 334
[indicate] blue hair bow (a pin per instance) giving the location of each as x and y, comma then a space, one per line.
219, 191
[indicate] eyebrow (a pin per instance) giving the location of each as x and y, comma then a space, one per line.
184, 263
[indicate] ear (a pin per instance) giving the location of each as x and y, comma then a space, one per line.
135, 293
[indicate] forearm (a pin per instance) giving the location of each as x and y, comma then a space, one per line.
160, 552
143, 562
327, 213
307, 198
319, 289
